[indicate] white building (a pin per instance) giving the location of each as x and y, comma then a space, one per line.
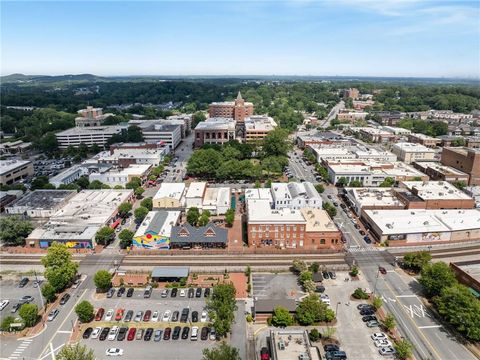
295, 195
217, 200
257, 127
121, 176
170, 196
89, 136
195, 193
410, 152
396, 130
69, 175
154, 133
363, 199
124, 156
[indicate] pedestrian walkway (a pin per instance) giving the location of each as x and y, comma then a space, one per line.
17, 354
365, 249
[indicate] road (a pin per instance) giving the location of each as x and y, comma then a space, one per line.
332, 114
401, 295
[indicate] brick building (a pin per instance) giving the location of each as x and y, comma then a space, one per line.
463, 159
238, 109
425, 140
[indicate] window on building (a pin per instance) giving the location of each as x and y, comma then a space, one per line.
322, 241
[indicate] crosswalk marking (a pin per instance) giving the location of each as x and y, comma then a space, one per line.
369, 249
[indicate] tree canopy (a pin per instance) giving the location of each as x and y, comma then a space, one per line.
14, 230
221, 306
60, 270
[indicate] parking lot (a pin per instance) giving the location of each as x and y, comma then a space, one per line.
275, 286
142, 349
10, 291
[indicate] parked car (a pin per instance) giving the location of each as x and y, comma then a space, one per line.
320, 289
88, 331
336, 355
362, 232
147, 316
204, 317
4, 304
131, 334
130, 292
139, 316
110, 292
120, 292
364, 312
206, 292
367, 240
173, 293
112, 335
76, 283
148, 334
119, 314
99, 314
382, 343
388, 350
167, 333
185, 332
155, 316
182, 292
114, 352
365, 306
26, 299
164, 293
166, 315
24, 281
128, 316
331, 347
369, 318
96, 332
15, 308
194, 316
53, 314
379, 336
325, 275
191, 292
373, 323
198, 292
140, 333
213, 334
264, 354
109, 315
176, 332
147, 292
157, 336
175, 316
122, 333
184, 316
204, 333
104, 334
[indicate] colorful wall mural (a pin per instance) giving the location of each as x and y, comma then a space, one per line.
151, 240
69, 244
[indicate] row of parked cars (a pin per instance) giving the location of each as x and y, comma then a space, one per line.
149, 315
121, 333
333, 352
190, 292
380, 339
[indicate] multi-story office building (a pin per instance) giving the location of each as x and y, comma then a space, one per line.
410, 152
89, 136
215, 131
12, 171
295, 195
169, 135
437, 171
425, 140
91, 117
463, 159
351, 93
237, 110
257, 127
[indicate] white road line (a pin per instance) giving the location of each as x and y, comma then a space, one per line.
64, 332
430, 327
50, 353
406, 296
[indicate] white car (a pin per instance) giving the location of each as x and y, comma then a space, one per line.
96, 332
379, 336
114, 352
382, 343
182, 292
53, 314
113, 333
204, 316
109, 315
4, 304
388, 350
167, 315
155, 316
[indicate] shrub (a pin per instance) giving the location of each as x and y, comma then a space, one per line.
359, 293
84, 311
314, 335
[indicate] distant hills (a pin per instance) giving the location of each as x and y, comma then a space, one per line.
21, 78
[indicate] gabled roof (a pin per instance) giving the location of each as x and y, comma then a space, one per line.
202, 234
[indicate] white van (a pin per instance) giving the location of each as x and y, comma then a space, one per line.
194, 335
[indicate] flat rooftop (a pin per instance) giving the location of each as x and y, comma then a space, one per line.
8, 165
443, 169
431, 190
318, 220
376, 196
259, 211
259, 194
292, 345
196, 189
260, 123
402, 169
216, 123
424, 221
471, 269
170, 190
412, 147
43, 199
107, 129
423, 136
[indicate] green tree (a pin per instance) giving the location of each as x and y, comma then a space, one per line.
126, 237
298, 266
60, 270
230, 217
156, 171
47, 143
139, 192
221, 352
124, 208
276, 143
14, 230
461, 309
311, 310
434, 277
39, 182
322, 171
459, 184
134, 183
388, 182
205, 163
355, 183
309, 286
204, 218
416, 260
314, 267
389, 322
314, 335
147, 203
192, 216
29, 314
281, 317
84, 311
97, 185
6, 322
330, 209
342, 182
83, 182
305, 276
354, 271
359, 293
221, 306
102, 280
48, 292
320, 188
377, 302
75, 352
105, 235
140, 214
198, 117
404, 349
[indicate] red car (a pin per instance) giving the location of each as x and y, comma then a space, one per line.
131, 334
147, 316
99, 314
382, 270
264, 354
119, 314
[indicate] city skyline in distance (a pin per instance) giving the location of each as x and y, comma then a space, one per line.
394, 38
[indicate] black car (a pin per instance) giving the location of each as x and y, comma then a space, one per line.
176, 332
206, 292
331, 347
175, 316
88, 331
121, 291
167, 333
174, 292
64, 299
23, 282
184, 316
130, 292
367, 240
320, 289
330, 275
110, 292
364, 312
16, 307
148, 334
104, 334
194, 316
364, 306
356, 226
191, 292
335, 355
128, 317
122, 332
185, 332
362, 232
369, 318
204, 333
198, 292
325, 275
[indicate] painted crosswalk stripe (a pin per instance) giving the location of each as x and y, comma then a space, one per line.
430, 327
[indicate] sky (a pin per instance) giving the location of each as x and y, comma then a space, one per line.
418, 38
